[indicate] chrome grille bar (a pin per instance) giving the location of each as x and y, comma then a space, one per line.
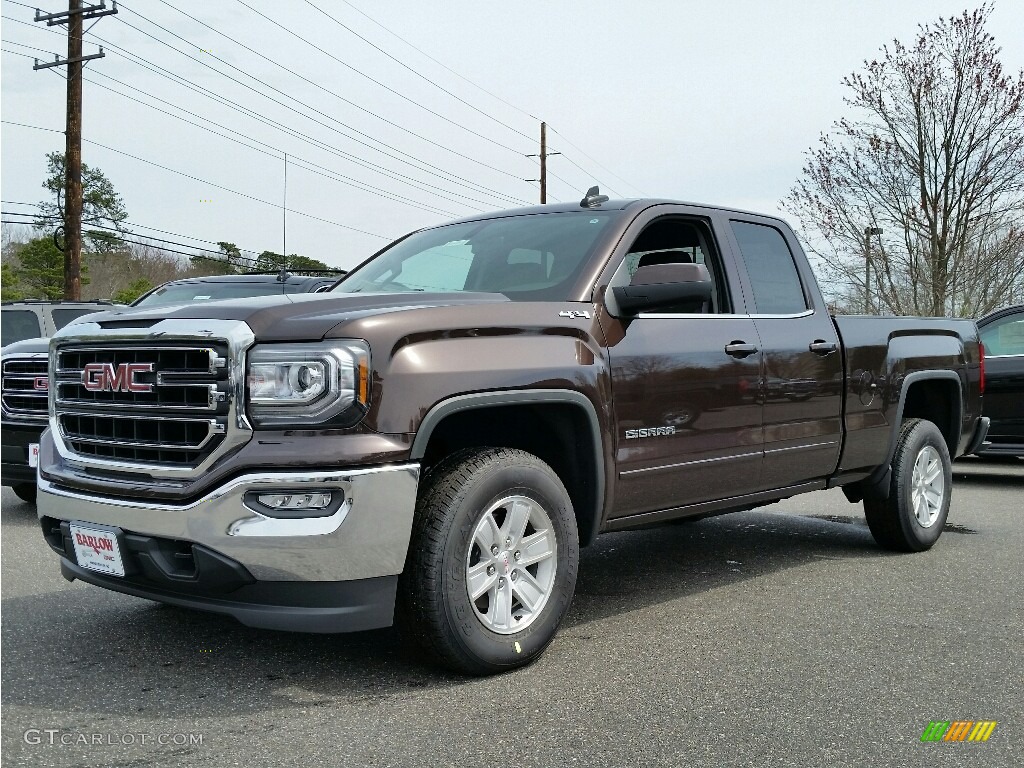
24, 387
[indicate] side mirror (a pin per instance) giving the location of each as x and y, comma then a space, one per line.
665, 285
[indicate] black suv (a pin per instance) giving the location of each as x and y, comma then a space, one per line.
1002, 333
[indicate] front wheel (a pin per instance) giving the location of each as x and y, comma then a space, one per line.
911, 519
492, 562
25, 491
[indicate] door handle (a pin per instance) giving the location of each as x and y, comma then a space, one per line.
740, 349
822, 347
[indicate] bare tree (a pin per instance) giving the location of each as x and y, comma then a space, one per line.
915, 205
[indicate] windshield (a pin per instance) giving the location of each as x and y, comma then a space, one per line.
527, 258
187, 293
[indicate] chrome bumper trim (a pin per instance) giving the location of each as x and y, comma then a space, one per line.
367, 537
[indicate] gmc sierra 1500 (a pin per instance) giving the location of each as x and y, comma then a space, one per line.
433, 441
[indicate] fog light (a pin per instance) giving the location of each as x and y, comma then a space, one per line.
295, 505
292, 501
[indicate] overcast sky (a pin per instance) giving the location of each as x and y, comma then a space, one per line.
709, 102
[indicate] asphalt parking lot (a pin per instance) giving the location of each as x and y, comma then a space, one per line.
781, 637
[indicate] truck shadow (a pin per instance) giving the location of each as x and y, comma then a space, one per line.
157, 661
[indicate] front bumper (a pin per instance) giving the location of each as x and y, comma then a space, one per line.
315, 574
15, 440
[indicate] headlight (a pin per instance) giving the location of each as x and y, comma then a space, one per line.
305, 384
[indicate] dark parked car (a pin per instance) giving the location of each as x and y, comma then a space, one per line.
195, 289
1002, 333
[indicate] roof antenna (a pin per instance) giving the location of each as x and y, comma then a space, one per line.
283, 275
593, 199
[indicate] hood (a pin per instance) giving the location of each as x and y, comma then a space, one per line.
293, 317
27, 347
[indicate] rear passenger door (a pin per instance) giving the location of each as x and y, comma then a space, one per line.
802, 376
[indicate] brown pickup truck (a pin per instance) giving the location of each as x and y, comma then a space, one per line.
431, 443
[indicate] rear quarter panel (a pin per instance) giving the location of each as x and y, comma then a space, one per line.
880, 354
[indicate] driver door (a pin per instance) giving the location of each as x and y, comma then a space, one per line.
685, 389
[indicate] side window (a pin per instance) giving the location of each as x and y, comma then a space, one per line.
772, 271
62, 317
679, 241
1004, 337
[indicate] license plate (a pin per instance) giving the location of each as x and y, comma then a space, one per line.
97, 550
33, 454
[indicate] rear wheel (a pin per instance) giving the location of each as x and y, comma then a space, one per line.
911, 519
25, 491
492, 562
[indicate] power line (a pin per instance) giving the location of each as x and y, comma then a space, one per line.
124, 236
415, 183
367, 136
162, 248
585, 172
314, 168
488, 92
338, 22
296, 74
305, 138
366, 186
30, 47
555, 130
439, 63
330, 174
209, 183
400, 156
411, 69
121, 233
349, 66
294, 133
137, 225
378, 82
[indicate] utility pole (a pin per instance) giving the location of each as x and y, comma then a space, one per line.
284, 214
74, 17
543, 163
868, 232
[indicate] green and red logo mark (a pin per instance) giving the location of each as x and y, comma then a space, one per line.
959, 730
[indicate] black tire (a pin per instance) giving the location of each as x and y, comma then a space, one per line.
893, 521
434, 612
25, 491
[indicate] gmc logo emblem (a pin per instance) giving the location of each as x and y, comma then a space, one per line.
107, 377
41, 384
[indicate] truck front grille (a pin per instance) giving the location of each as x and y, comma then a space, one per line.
164, 405
24, 387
